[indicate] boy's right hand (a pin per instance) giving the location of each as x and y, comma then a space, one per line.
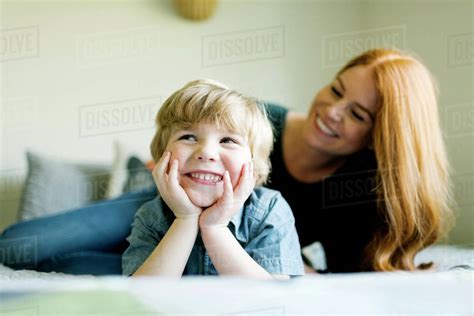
171, 191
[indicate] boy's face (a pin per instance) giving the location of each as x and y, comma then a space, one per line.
204, 152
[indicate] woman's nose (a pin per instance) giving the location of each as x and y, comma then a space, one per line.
335, 111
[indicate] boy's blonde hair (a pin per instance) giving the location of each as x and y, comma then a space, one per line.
208, 101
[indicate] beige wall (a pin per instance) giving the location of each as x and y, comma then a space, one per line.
69, 62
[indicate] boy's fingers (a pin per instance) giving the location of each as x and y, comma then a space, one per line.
159, 173
244, 181
243, 174
227, 193
174, 172
162, 164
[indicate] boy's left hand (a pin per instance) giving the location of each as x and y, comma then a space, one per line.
220, 213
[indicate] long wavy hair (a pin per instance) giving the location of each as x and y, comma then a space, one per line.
412, 182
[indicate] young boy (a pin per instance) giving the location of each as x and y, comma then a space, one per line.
212, 147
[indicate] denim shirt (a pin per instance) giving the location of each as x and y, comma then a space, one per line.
264, 227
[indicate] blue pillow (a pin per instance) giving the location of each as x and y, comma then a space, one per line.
139, 177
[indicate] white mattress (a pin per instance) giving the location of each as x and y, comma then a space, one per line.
447, 291
400, 293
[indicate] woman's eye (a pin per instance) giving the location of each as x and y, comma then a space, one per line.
228, 140
187, 137
357, 116
336, 92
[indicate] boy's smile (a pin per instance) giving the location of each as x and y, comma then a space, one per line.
204, 153
204, 177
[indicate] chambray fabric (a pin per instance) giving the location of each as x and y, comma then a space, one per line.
264, 227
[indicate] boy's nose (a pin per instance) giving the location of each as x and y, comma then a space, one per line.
206, 153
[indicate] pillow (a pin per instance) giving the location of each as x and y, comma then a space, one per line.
139, 176
447, 257
314, 256
118, 174
52, 186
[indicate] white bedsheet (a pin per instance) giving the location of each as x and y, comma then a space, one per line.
400, 293
444, 292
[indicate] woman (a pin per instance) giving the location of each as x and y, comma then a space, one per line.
365, 173
379, 114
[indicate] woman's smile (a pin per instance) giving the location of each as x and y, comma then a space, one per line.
324, 128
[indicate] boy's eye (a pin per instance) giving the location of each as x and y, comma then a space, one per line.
188, 137
229, 140
336, 92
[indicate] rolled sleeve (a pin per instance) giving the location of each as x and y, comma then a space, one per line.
143, 239
275, 246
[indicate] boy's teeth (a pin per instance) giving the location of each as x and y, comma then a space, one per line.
206, 177
323, 127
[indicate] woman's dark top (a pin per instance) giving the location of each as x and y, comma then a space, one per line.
339, 211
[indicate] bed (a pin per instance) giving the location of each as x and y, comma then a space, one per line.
446, 290
400, 293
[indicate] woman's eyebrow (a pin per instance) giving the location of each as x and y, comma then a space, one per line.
363, 108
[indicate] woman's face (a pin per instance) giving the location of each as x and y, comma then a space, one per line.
341, 118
